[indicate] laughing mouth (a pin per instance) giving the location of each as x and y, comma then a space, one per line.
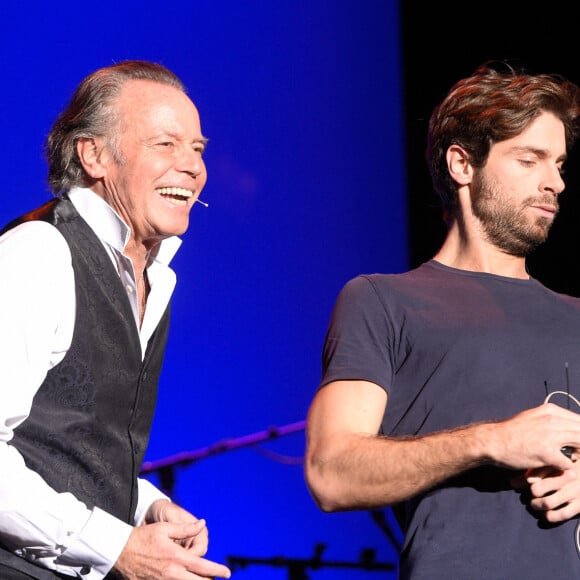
177, 195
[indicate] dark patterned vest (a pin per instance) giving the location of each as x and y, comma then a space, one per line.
90, 420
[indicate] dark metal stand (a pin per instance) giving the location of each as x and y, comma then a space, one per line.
165, 469
297, 567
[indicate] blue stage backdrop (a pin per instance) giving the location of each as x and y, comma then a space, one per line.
302, 103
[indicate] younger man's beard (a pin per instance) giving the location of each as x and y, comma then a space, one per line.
505, 224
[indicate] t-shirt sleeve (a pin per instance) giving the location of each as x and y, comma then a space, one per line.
358, 339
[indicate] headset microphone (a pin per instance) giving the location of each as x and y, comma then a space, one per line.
202, 202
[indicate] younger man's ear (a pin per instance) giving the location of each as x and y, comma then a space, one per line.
459, 165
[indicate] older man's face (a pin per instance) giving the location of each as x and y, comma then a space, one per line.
161, 171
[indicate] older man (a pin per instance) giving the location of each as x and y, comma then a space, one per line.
85, 286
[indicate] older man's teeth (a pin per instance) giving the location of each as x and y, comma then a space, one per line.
176, 195
175, 191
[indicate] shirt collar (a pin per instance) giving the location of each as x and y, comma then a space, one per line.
111, 228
